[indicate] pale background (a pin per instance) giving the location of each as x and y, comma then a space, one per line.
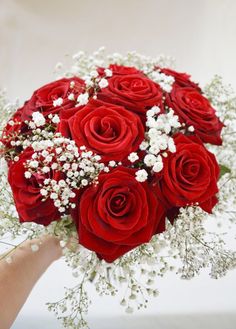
201, 35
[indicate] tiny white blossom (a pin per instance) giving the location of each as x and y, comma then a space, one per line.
149, 160
133, 157
191, 128
58, 102
69, 174
154, 149
83, 99
56, 119
45, 169
171, 145
112, 163
150, 113
38, 119
141, 175
97, 157
72, 195
143, 146
34, 164
66, 166
48, 158
103, 83
45, 153
62, 158
153, 133
53, 195
108, 72
62, 183
32, 125
158, 166
54, 166
71, 97
27, 174
74, 166
43, 192
57, 203
62, 244
94, 74
72, 84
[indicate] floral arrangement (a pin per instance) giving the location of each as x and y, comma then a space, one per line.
128, 159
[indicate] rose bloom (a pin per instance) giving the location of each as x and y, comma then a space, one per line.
189, 176
26, 193
43, 98
108, 130
135, 92
181, 79
118, 214
195, 110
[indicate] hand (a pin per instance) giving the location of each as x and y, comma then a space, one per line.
17, 278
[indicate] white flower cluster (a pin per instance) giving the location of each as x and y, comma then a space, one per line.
158, 140
65, 168
85, 65
38, 120
165, 81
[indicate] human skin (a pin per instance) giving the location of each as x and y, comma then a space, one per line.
18, 277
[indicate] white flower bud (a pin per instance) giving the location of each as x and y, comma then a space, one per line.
103, 83
133, 157
149, 160
141, 175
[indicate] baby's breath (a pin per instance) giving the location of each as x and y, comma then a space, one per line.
187, 245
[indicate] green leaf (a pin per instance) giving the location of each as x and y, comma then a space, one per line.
224, 170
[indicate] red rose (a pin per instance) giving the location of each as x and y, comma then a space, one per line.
26, 193
42, 99
136, 92
119, 69
190, 175
195, 110
118, 214
109, 130
181, 79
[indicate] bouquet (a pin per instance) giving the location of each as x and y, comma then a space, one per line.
127, 158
